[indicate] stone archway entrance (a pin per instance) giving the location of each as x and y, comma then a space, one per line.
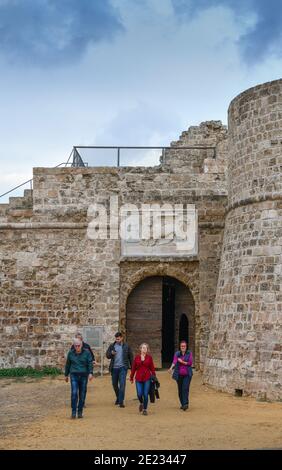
154, 310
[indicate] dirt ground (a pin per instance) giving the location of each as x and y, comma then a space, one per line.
35, 414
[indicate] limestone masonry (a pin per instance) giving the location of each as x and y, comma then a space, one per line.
226, 298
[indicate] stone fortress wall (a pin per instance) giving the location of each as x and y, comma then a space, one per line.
54, 279
245, 345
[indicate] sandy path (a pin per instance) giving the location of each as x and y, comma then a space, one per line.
214, 421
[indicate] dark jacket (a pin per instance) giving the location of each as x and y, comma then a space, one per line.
79, 363
188, 355
154, 389
126, 352
86, 346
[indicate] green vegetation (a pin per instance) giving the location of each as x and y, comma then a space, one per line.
29, 372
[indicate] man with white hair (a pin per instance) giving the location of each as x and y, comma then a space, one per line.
79, 366
84, 346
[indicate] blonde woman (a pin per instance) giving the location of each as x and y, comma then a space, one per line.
143, 369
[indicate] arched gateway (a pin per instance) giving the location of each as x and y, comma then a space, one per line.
155, 313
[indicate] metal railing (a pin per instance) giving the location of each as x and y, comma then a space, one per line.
75, 159
31, 180
79, 162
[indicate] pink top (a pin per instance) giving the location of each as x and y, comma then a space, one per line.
183, 369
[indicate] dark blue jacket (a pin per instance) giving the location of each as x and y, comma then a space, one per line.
175, 374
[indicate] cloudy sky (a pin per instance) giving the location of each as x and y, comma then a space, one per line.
123, 72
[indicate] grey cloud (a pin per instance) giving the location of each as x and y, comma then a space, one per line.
48, 32
264, 38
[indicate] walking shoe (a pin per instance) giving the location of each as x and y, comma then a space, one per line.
141, 407
73, 416
185, 407
116, 402
79, 415
121, 405
145, 412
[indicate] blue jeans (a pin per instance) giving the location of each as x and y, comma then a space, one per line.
119, 381
86, 390
183, 383
78, 392
143, 389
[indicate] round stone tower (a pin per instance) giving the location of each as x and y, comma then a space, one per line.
245, 345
